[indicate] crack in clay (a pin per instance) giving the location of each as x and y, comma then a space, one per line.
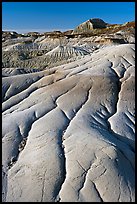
98, 193
23, 142
85, 173
5, 98
58, 198
20, 146
19, 99
119, 189
22, 92
100, 174
43, 186
27, 94
26, 87
4, 185
129, 191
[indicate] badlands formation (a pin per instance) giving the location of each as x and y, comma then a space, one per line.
68, 120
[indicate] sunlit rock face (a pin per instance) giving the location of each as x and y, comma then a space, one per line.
89, 25
68, 132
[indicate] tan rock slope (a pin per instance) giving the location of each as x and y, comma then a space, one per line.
68, 131
88, 26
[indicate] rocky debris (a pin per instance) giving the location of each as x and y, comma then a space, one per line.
22, 144
12, 162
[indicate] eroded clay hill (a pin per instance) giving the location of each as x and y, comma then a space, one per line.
34, 51
68, 131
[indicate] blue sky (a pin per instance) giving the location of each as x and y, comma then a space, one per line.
47, 16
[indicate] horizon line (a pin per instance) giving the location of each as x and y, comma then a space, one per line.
36, 30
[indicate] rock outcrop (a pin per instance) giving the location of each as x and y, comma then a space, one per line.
9, 35
89, 25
